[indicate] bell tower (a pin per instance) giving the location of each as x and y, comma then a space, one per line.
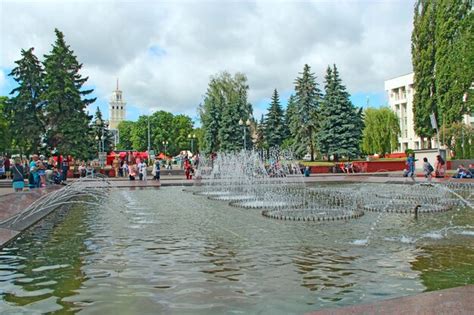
117, 109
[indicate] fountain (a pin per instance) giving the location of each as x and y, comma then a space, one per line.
295, 248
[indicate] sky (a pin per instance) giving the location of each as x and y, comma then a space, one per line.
164, 52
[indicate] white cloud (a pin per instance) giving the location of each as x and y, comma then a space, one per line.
2, 78
164, 52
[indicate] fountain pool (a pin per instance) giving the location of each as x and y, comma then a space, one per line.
170, 251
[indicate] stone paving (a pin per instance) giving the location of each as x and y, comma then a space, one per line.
449, 301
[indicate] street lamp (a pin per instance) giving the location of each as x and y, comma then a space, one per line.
101, 139
247, 123
192, 137
165, 143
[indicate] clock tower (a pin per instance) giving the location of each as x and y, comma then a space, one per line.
117, 109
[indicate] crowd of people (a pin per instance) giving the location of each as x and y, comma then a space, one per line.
439, 169
38, 171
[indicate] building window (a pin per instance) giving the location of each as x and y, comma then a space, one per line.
112, 107
121, 107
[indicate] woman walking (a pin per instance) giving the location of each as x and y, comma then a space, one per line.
18, 176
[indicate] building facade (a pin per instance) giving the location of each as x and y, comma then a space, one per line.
117, 108
400, 98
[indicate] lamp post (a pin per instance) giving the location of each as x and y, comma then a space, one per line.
192, 137
101, 139
148, 151
165, 143
247, 123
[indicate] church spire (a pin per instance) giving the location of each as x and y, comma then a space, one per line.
117, 84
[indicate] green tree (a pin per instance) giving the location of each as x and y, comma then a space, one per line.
381, 130
308, 99
125, 135
292, 121
25, 109
182, 128
260, 142
443, 62
5, 131
101, 133
63, 96
453, 57
140, 134
341, 122
274, 122
460, 139
225, 104
423, 58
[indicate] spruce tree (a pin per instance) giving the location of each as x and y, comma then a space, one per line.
210, 112
5, 128
66, 118
260, 142
341, 122
102, 133
274, 122
25, 109
423, 59
308, 98
231, 133
224, 106
293, 123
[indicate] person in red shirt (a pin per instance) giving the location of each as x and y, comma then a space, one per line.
187, 168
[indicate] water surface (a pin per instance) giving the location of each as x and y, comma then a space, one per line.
168, 251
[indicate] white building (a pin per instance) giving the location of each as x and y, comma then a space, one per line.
117, 108
400, 98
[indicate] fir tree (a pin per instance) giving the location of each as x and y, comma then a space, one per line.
66, 118
274, 122
260, 142
341, 122
308, 98
102, 133
5, 129
224, 106
25, 109
292, 121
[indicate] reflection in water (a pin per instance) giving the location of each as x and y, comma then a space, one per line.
43, 276
443, 266
168, 251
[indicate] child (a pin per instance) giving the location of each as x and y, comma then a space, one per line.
411, 166
427, 169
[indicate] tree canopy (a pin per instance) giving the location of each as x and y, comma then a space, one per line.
381, 130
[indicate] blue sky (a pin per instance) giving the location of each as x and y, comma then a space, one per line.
164, 52
360, 99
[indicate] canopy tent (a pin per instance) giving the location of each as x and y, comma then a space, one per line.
131, 156
163, 156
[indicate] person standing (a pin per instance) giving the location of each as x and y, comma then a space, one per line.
427, 169
187, 168
18, 181
440, 167
142, 170
411, 166
64, 168
7, 166
156, 170
34, 177
116, 165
